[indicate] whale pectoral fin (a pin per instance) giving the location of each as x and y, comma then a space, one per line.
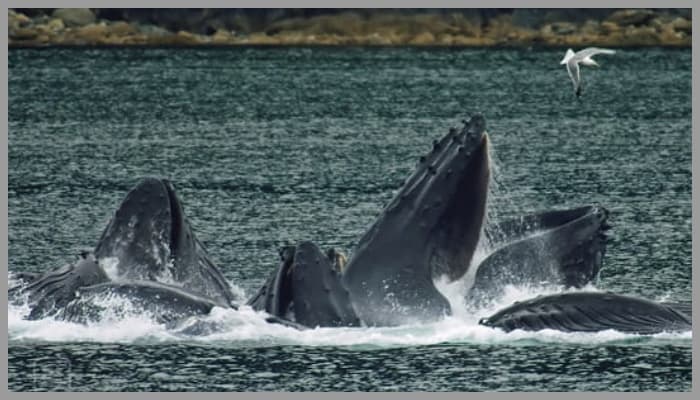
53, 290
590, 312
318, 297
286, 322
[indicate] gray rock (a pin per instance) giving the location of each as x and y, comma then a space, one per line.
682, 25
75, 16
631, 17
558, 28
23, 34
535, 18
153, 30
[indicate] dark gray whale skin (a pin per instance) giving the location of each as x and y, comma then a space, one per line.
166, 303
150, 241
444, 199
274, 297
430, 228
591, 312
306, 286
563, 247
53, 290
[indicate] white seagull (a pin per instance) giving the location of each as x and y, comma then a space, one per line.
572, 61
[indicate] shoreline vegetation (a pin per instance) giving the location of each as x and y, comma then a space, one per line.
350, 27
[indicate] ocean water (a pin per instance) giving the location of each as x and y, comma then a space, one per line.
273, 146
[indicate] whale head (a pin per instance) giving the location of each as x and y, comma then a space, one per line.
430, 228
149, 238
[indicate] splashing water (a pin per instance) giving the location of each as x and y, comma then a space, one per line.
498, 198
124, 323
246, 327
490, 237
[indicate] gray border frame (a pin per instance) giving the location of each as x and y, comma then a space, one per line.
330, 4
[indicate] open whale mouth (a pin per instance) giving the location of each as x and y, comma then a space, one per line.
456, 230
563, 247
305, 289
446, 198
537, 223
177, 219
430, 228
150, 239
146, 232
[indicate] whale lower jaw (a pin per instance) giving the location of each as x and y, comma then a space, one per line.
590, 312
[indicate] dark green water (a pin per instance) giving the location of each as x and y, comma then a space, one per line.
268, 146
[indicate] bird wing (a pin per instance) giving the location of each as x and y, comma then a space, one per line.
590, 52
569, 53
574, 72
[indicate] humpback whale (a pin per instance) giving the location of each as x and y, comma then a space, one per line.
147, 247
592, 312
559, 248
306, 288
430, 228
150, 239
149, 254
53, 290
166, 303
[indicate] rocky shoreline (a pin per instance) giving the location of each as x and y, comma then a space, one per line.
236, 27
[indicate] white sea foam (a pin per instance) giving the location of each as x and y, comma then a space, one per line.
246, 327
